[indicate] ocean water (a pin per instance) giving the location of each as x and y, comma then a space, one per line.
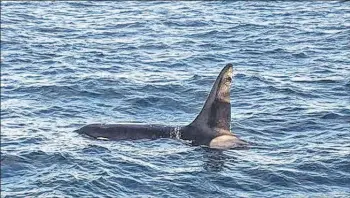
68, 64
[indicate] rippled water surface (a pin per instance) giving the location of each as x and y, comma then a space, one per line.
67, 64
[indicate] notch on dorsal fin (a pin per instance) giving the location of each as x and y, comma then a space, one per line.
216, 112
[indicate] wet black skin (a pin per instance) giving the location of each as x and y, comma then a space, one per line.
213, 120
127, 131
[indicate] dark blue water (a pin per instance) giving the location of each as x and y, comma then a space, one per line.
67, 64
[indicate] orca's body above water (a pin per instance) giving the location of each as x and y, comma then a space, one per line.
211, 127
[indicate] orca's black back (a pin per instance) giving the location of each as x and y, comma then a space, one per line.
126, 131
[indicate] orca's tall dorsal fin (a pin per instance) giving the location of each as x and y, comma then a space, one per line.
216, 112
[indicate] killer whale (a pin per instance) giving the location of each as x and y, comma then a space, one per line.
211, 127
